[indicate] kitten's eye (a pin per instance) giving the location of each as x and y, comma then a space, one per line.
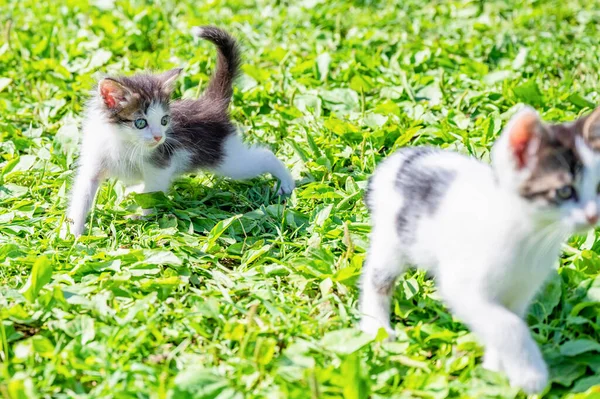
565, 192
165, 119
140, 123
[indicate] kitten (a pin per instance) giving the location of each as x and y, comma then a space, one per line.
133, 131
491, 234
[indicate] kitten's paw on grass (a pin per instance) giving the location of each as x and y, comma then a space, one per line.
286, 187
69, 230
492, 361
145, 213
372, 327
531, 378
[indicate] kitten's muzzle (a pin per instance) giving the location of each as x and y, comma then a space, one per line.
591, 213
592, 219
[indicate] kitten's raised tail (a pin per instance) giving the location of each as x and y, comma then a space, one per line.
220, 87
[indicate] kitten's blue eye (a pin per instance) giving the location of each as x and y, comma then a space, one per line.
140, 123
565, 192
165, 120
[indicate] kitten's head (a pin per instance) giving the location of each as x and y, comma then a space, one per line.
139, 106
555, 167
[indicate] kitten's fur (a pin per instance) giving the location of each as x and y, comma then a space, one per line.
176, 137
490, 234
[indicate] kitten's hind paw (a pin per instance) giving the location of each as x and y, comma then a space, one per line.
371, 327
286, 187
135, 216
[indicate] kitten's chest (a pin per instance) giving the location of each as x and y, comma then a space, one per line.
531, 266
127, 165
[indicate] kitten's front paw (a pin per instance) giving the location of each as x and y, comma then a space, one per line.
531, 377
69, 228
371, 326
286, 187
491, 360
64, 231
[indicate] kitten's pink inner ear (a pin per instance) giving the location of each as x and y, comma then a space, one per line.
112, 93
520, 137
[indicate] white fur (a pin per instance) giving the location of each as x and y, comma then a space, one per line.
490, 250
244, 162
122, 152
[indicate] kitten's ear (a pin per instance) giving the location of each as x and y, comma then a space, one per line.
114, 94
591, 129
525, 132
168, 78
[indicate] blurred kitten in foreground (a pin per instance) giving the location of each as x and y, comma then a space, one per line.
491, 234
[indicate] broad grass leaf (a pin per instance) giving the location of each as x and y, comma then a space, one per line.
520, 59
579, 346
198, 382
580, 101
323, 61
4, 82
154, 257
67, 137
356, 384
308, 102
10, 251
219, 229
593, 293
361, 83
345, 341
586, 383
497, 76
549, 298
566, 372
21, 387
530, 93
589, 263
375, 121
42, 346
41, 274
151, 200
341, 101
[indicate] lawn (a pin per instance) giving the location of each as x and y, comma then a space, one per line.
230, 291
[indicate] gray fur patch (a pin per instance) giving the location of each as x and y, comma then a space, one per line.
423, 189
383, 281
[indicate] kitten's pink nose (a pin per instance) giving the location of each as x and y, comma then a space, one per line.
591, 213
157, 138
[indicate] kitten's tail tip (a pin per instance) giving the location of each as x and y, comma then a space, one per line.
197, 31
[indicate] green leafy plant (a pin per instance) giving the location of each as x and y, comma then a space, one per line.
229, 291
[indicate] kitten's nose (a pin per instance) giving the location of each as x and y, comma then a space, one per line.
157, 138
591, 213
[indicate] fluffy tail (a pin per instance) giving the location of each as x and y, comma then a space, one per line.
220, 87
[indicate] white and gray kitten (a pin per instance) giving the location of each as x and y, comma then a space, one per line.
490, 234
132, 131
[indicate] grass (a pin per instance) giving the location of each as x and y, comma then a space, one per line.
229, 291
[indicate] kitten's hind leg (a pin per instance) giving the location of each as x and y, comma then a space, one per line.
382, 267
241, 161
